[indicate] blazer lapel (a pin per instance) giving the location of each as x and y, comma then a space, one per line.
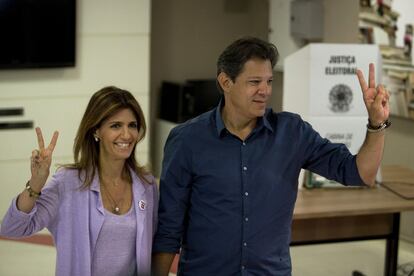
97, 212
140, 204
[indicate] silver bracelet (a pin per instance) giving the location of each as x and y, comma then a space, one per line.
379, 128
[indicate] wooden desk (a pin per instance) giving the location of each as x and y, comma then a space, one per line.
350, 214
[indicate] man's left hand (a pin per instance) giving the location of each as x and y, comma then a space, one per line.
376, 98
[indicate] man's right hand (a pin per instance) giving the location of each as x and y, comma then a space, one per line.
161, 263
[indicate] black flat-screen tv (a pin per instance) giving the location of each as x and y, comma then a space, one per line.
37, 33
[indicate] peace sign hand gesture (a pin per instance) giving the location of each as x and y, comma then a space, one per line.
376, 99
41, 160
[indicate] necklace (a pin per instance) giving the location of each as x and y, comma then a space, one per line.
116, 206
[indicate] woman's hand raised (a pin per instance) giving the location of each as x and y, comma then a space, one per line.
40, 167
41, 160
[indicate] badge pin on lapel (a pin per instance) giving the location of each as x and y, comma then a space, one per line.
142, 204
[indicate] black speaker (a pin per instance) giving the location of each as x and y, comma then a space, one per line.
177, 102
206, 94
180, 102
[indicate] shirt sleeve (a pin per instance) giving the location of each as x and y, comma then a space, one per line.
331, 160
175, 187
17, 224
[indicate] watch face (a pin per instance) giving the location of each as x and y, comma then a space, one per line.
340, 98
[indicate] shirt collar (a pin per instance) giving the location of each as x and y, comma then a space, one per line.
219, 121
266, 122
261, 121
95, 182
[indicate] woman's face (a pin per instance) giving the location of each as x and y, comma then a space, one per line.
118, 135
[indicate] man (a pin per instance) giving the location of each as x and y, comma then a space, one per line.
229, 178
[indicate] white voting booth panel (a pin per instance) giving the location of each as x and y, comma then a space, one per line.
321, 85
342, 130
320, 79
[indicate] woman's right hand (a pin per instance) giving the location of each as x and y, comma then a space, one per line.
40, 167
41, 160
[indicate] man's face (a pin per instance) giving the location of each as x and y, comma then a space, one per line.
247, 96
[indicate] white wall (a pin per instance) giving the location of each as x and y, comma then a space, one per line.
340, 20
279, 30
112, 49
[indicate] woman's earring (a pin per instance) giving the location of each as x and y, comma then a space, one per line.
96, 138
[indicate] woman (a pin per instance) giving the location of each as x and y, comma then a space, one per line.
101, 210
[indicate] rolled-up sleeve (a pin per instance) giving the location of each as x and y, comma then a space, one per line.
331, 160
175, 189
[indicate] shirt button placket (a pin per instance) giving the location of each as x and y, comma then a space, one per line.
244, 169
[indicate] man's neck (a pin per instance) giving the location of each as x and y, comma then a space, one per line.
236, 124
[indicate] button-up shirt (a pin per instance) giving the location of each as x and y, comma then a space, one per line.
227, 203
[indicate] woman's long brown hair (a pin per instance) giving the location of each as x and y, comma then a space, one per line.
102, 105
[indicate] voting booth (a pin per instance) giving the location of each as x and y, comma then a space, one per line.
321, 85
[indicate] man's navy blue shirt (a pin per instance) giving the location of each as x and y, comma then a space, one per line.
227, 203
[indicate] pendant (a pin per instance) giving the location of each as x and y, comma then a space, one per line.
116, 210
